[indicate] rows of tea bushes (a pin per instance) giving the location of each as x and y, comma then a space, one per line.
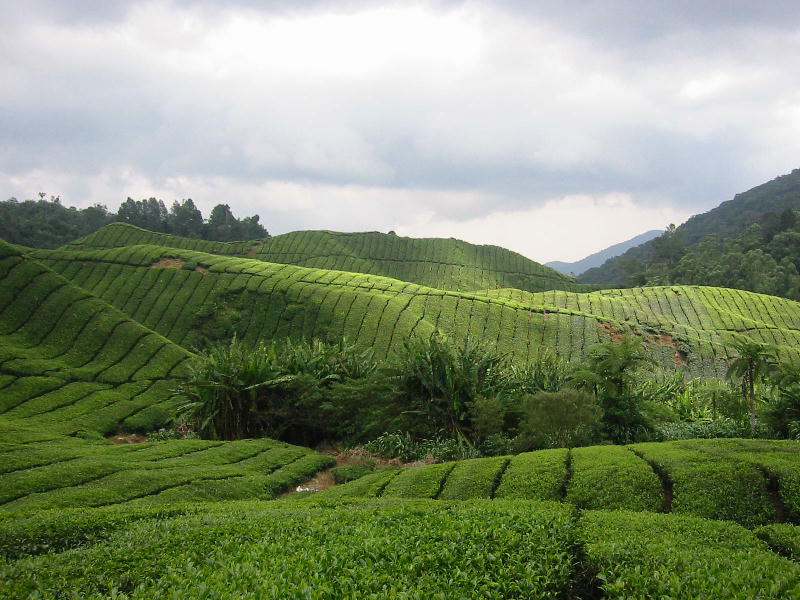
386, 549
441, 263
199, 294
646, 555
718, 479
70, 361
434, 262
56, 472
116, 235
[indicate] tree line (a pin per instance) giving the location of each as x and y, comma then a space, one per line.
47, 223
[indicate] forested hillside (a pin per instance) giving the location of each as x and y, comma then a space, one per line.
749, 242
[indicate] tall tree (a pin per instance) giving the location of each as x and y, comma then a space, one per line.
185, 219
753, 363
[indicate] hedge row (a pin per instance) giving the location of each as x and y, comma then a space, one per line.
55, 474
386, 549
718, 479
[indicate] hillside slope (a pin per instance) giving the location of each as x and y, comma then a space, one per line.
191, 298
727, 219
442, 263
69, 361
598, 258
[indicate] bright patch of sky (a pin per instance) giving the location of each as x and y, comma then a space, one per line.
554, 130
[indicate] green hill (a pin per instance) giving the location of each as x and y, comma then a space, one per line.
442, 263
94, 338
192, 297
69, 361
727, 221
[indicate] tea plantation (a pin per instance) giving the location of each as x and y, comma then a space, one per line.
95, 338
191, 297
442, 263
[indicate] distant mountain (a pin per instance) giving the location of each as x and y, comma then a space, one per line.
729, 219
598, 258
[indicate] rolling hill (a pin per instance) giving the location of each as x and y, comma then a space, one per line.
442, 263
191, 298
95, 336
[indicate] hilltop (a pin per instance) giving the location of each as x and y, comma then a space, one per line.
448, 264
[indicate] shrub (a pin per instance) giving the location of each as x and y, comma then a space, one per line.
559, 420
351, 472
648, 555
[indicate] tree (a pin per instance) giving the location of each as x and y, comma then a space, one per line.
753, 363
222, 225
610, 375
185, 219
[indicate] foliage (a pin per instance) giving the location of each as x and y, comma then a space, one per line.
753, 363
783, 538
610, 374
357, 550
47, 223
347, 473
646, 555
447, 386
236, 391
710, 484
612, 477
559, 420
783, 412
403, 446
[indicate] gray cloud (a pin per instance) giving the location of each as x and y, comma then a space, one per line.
471, 108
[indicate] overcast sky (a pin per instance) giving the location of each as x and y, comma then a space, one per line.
552, 128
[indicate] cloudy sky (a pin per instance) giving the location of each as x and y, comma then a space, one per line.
553, 128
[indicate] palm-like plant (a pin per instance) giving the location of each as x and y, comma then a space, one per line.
441, 381
611, 365
753, 363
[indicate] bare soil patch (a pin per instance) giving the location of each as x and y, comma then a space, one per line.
253, 249
127, 438
201, 269
679, 356
615, 334
168, 263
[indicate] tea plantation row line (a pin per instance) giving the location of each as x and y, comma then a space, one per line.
70, 361
57, 473
261, 301
388, 549
717, 479
123, 234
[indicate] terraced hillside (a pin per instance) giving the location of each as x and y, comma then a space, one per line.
92, 338
48, 471
189, 297
442, 263
752, 482
72, 367
69, 361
